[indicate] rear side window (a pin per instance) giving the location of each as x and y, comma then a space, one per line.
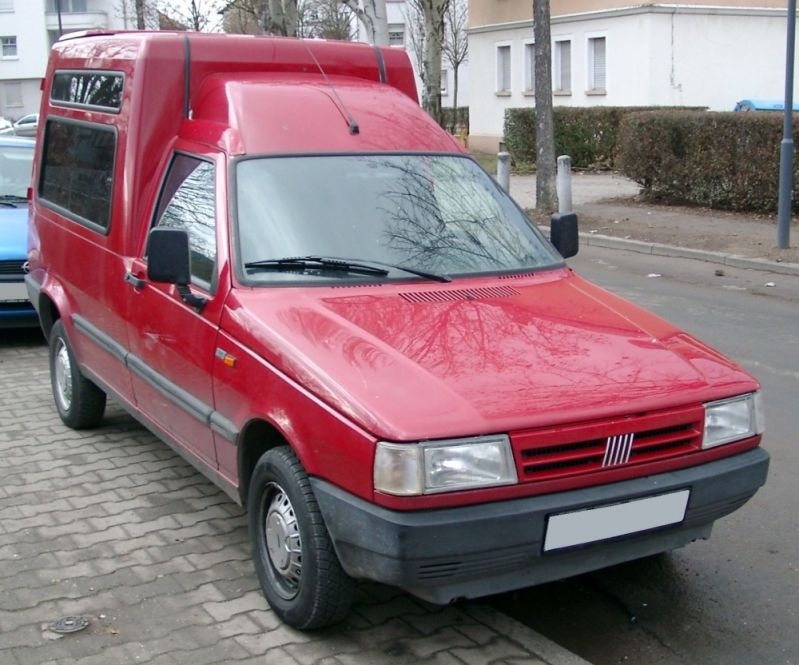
88, 89
77, 170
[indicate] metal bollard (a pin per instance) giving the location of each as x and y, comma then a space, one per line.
563, 184
503, 170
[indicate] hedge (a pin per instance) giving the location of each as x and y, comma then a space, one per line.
719, 160
589, 135
455, 120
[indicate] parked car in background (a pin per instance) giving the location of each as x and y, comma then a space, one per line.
16, 158
25, 126
763, 105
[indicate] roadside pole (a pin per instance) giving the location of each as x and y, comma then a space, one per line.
786, 147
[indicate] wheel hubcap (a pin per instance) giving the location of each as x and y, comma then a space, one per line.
63, 376
283, 542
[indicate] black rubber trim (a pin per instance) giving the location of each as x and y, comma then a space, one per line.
381, 65
186, 77
104, 341
174, 393
224, 427
470, 551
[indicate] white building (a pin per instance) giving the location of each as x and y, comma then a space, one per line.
608, 53
27, 30
398, 36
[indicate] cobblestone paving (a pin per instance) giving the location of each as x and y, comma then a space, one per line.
111, 525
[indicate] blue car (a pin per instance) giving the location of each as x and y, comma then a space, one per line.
16, 159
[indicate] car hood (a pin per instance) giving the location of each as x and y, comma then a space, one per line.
434, 361
13, 233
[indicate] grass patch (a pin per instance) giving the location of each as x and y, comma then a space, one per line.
487, 160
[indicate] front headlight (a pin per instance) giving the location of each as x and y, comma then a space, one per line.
408, 469
732, 420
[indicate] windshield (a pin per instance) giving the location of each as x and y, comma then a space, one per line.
434, 213
15, 170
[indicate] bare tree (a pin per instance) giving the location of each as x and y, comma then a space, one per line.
246, 17
138, 14
546, 197
328, 19
456, 44
372, 15
427, 20
199, 15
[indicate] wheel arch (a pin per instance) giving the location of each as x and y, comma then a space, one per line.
257, 437
48, 313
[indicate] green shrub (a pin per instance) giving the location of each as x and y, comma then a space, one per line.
719, 160
456, 121
587, 134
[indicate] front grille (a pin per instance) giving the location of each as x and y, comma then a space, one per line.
559, 452
12, 267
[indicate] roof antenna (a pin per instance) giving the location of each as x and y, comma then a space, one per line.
354, 129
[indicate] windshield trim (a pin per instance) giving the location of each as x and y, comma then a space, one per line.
244, 279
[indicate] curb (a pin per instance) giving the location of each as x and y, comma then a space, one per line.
659, 249
546, 650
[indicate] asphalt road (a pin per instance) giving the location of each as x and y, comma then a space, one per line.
734, 598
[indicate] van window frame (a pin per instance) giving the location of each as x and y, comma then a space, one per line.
160, 206
66, 212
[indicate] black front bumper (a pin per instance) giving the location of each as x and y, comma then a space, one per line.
466, 552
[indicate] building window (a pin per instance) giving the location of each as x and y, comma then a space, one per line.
444, 81
562, 79
597, 67
396, 34
67, 6
8, 47
503, 69
529, 68
13, 94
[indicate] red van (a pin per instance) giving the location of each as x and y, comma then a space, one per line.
269, 255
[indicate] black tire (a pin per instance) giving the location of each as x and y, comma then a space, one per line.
79, 402
296, 564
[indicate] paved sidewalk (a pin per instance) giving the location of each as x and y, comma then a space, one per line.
610, 216
109, 524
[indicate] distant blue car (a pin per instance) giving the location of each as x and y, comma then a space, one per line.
16, 159
763, 105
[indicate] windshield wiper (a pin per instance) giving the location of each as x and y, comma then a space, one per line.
342, 265
414, 271
12, 199
318, 263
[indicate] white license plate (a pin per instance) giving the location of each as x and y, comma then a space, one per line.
619, 519
13, 291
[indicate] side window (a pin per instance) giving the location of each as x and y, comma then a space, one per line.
188, 202
78, 169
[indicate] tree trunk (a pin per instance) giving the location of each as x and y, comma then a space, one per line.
290, 18
140, 25
546, 197
434, 30
380, 22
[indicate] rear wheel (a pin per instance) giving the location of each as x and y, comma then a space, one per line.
79, 402
296, 564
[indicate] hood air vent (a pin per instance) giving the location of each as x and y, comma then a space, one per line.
454, 295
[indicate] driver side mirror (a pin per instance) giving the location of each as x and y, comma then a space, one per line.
169, 261
563, 233
168, 258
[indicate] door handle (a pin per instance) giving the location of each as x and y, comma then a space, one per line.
135, 282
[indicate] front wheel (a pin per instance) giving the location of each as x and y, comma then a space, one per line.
296, 564
79, 402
